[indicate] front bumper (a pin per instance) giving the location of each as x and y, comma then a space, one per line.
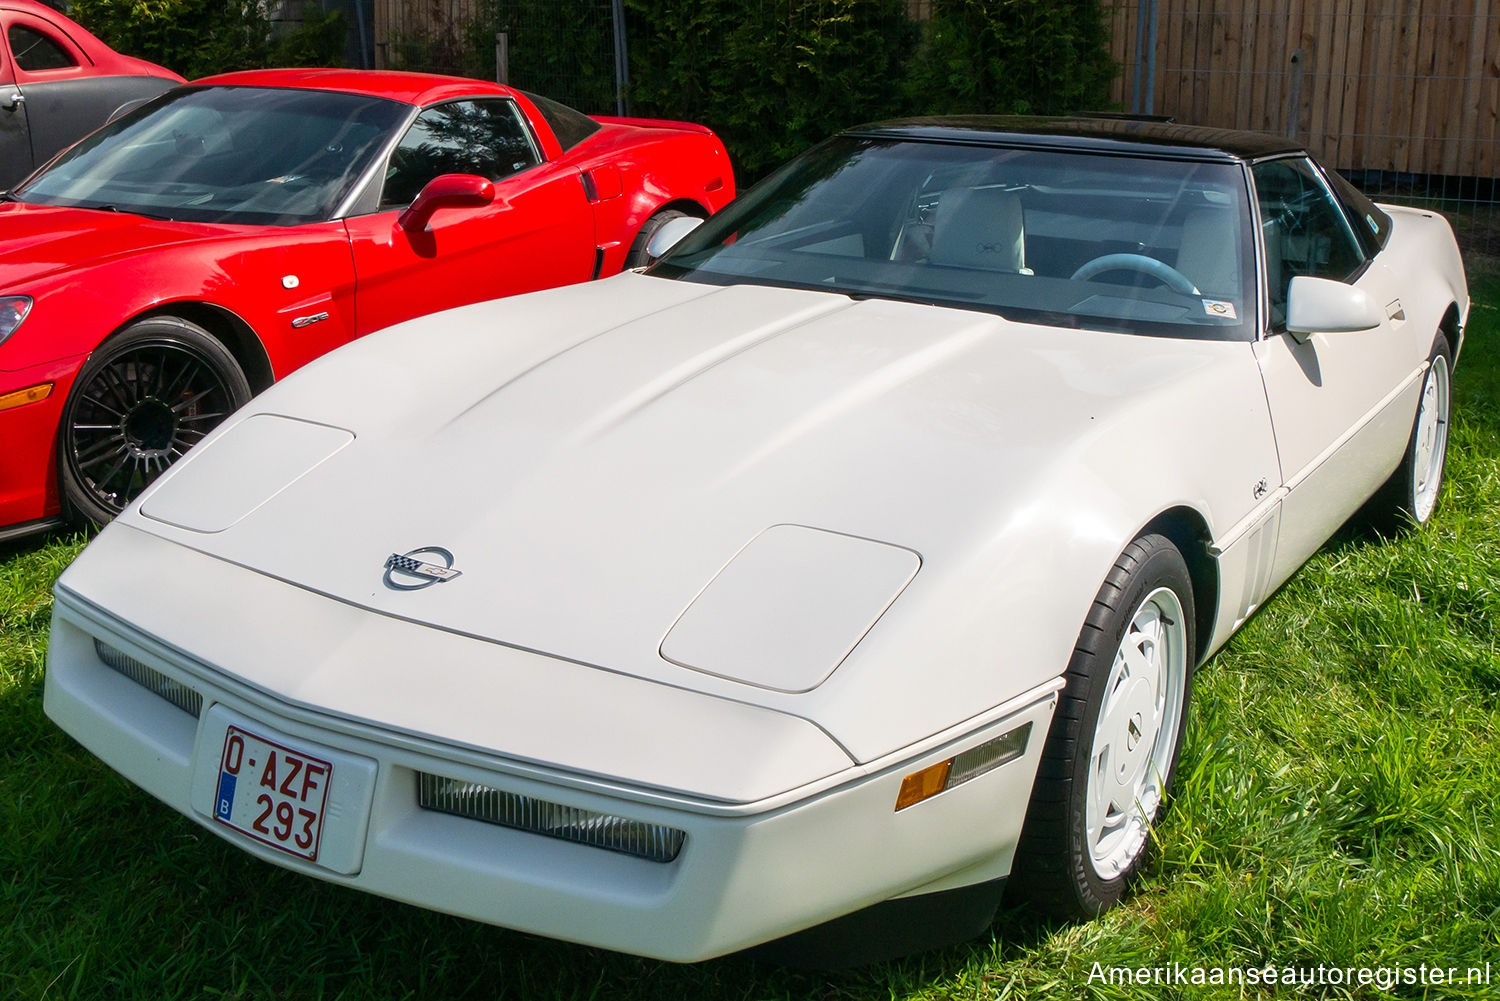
748, 872
28, 465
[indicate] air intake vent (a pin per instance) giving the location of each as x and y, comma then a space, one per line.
175, 692
654, 842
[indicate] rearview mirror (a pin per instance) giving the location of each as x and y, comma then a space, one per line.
1320, 305
447, 191
671, 232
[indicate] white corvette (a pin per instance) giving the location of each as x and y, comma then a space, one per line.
850, 562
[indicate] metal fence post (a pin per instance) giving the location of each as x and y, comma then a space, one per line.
622, 59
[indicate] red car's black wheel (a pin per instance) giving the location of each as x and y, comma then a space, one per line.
142, 399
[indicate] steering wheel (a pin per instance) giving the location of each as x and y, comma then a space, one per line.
1164, 273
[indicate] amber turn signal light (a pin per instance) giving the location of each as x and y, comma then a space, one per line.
21, 397
962, 767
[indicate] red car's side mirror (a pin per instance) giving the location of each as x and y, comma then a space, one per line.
448, 191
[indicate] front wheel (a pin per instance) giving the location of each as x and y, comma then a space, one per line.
1107, 767
143, 398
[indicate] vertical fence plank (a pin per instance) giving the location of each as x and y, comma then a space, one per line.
1169, 57
1302, 30
1390, 83
1464, 158
1123, 18
1353, 86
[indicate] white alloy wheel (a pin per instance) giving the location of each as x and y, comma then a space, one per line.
1136, 735
1430, 444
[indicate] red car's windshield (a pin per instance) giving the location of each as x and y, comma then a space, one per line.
251, 155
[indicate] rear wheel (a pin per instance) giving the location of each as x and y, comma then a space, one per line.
1413, 489
638, 258
1107, 767
142, 399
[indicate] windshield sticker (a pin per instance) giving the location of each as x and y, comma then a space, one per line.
1220, 307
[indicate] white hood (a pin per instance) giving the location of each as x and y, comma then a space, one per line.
594, 456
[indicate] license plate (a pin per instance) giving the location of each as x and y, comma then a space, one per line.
272, 792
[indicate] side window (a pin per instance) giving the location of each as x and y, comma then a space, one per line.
1305, 231
1372, 224
486, 138
35, 51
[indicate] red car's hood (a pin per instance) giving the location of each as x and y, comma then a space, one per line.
39, 240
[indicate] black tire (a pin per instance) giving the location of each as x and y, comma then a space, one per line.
140, 401
1412, 493
1056, 868
638, 258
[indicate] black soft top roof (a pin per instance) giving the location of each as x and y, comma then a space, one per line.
1101, 135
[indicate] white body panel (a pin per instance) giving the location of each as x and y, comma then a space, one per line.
608, 486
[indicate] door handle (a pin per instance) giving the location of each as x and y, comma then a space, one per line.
14, 100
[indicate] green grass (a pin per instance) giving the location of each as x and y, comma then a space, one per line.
1338, 806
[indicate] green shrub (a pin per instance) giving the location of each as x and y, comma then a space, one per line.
321, 40
772, 77
1042, 57
200, 37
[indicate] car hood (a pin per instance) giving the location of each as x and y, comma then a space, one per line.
41, 241
593, 457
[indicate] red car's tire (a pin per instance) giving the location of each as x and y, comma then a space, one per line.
141, 400
638, 258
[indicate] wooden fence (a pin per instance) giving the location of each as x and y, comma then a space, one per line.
434, 21
1409, 86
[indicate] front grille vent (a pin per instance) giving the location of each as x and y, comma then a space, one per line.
149, 678
654, 842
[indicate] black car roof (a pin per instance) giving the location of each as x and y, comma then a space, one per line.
1096, 134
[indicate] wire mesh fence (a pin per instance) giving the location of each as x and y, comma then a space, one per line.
1399, 95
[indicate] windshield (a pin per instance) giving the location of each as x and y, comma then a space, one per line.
1062, 237
252, 155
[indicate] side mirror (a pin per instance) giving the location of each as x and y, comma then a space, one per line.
1319, 305
670, 234
447, 191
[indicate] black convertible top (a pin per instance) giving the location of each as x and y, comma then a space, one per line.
1095, 134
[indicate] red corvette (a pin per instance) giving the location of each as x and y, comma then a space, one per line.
182, 258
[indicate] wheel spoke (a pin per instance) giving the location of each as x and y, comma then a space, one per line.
97, 401
177, 408
1140, 665
124, 374
100, 450
1112, 723
101, 485
108, 380
181, 381
217, 415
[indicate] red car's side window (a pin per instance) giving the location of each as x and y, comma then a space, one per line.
484, 137
35, 51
